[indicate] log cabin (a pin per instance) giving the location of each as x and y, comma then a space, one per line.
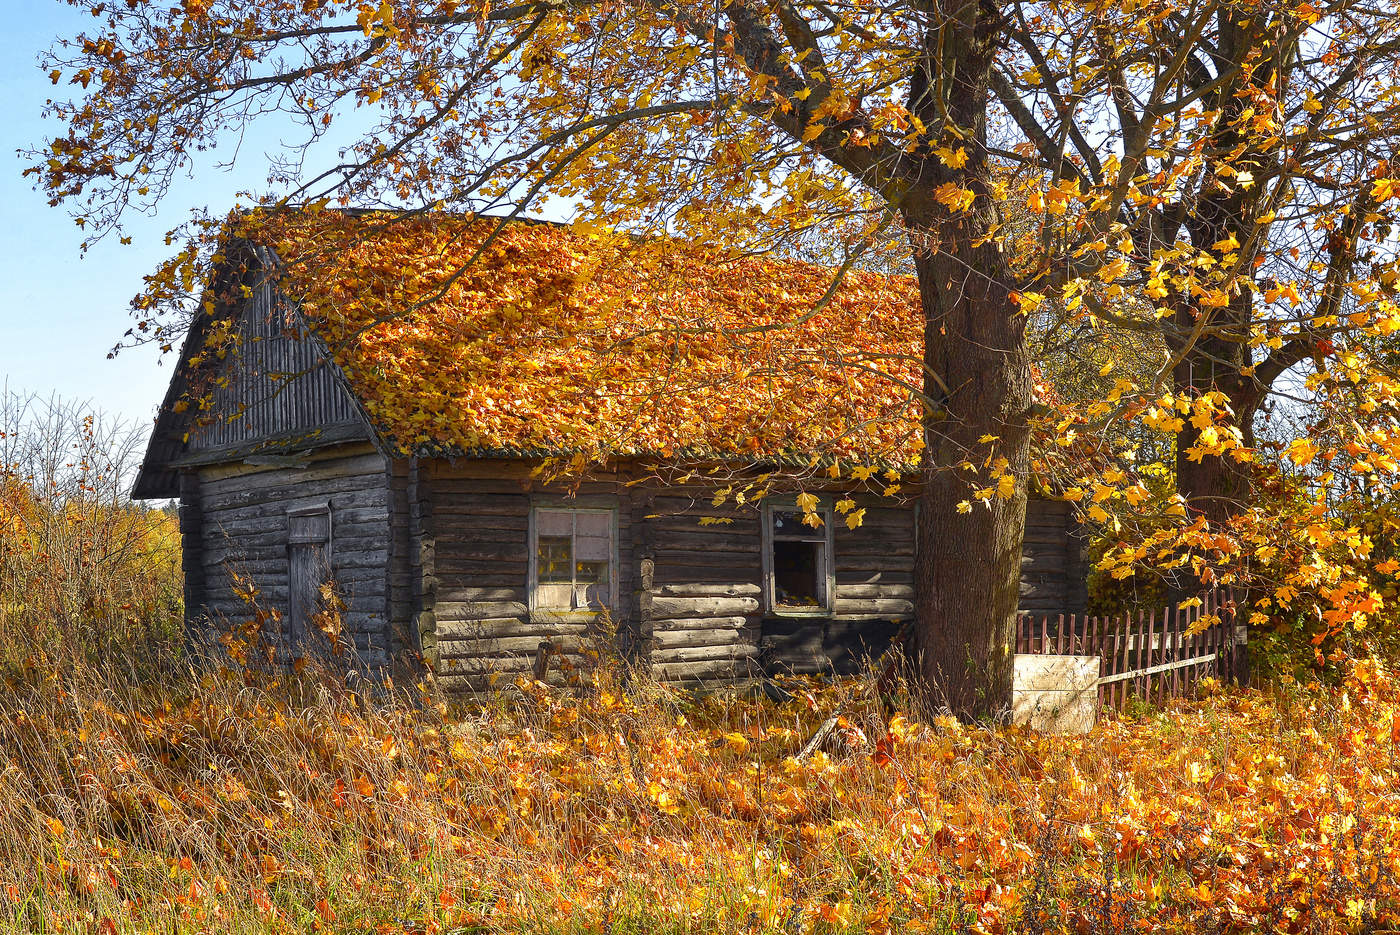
567, 429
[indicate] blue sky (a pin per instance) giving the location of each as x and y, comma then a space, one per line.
60, 313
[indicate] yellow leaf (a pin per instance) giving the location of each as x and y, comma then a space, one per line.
952, 158
954, 197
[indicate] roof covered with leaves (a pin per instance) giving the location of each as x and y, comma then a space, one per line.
466, 335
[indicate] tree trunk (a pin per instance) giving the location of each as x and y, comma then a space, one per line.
967, 568
977, 378
1216, 486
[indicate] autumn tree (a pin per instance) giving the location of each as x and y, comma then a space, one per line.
1267, 216
1140, 135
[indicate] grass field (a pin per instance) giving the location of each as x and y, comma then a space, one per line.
233, 801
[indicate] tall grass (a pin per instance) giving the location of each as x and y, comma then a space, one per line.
140, 792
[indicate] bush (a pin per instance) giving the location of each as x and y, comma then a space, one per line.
84, 572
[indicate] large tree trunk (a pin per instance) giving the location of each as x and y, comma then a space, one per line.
977, 380
968, 565
978, 384
1216, 486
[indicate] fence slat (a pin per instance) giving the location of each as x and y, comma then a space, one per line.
1096, 643
1159, 653
1176, 648
1151, 657
1124, 625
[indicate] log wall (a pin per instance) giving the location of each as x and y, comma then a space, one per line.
705, 609
433, 557
1054, 560
243, 531
472, 520
690, 594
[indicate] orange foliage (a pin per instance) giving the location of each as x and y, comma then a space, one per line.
224, 805
557, 341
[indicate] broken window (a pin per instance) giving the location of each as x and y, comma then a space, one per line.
798, 558
572, 559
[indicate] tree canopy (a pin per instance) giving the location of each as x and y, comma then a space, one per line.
1213, 175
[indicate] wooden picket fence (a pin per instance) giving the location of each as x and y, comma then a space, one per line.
1150, 655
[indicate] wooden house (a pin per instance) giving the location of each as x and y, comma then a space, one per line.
324, 423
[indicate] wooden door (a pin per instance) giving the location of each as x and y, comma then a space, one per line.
308, 567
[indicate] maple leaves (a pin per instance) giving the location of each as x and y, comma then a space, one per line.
554, 342
1229, 203
608, 809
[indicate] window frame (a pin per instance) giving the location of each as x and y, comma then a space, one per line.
532, 584
771, 607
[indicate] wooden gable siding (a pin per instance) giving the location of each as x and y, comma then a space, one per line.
278, 383
1054, 560
242, 530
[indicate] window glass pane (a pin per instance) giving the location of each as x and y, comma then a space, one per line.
554, 560
554, 596
591, 572
554, 523
593, 524
799, 574
593, 548
788, 524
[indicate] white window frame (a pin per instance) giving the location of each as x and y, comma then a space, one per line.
770, 589
532, 544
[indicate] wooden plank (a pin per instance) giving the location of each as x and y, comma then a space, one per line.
875, 607
877, 591
727, 653
479, 610
718, 670
674, 639
1187, 663
661, 608
700, 623
451, 594
735, 589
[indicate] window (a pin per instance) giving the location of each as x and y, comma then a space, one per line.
572, 561
797, 559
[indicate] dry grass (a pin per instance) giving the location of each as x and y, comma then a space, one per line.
139, 793
234, 801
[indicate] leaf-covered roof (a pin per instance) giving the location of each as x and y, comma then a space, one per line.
543, 340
